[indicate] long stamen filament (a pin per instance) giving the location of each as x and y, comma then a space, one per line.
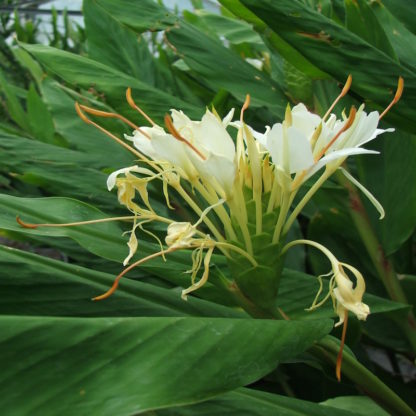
132, 266
397, 96
72, 224
341, 348
112, 136
177, 136
344, 91
133, 105
107, 114
346, 126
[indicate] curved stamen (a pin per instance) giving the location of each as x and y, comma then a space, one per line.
244, 107
177, 136
71, 224
341, 348
132, 266
84, 118
347, 125
133, 105
397, 96
344, 91
107, 114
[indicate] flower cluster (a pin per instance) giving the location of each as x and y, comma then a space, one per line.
242, 184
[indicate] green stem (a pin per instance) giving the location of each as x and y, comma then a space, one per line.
366, 381
306, 199
383, 266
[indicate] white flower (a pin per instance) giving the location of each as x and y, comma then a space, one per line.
349, 298
363, 130
207, 150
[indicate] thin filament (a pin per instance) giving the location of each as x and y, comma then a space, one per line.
341, 348
112, 136
347, 125
133, 105
177, 136
70, 224
107, 114
127, 269
344, 91
397, 96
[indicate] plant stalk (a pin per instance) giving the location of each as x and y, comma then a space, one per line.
383, 266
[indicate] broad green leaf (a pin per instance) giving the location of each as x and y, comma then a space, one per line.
361, 20
146, 15
14, 108
248, 402
402, 39
85, 72
126, 366
235, 31
40, 119
275, 42
402, 11
339, 52
36, 285
391, 178
235, 75
113, 44
357, 405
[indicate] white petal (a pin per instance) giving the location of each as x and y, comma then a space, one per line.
212, 136
111, 180
304, 120
274, 144
173, 151
227, 119
336, 155
366, 192
300, 152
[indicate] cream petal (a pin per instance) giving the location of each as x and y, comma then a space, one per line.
111, 180
212, 136
300, 152
304, 120
336, 155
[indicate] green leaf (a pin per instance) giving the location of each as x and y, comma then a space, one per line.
234, 74
145, 15
358, 405
81, 71
249, 402
391, 178
14, 107
113, 44
361, 20
339, 52
402, 39
275, 42
40, 119
124, 366
35, 285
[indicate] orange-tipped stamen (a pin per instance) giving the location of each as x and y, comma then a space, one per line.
107, 114
133, 105
244, 107
71, 224
344, 91
26, 224
347, 125
127, 269
397, 96
177, 136
84, 118
341, 348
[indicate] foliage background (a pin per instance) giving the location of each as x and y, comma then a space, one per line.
145, 349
